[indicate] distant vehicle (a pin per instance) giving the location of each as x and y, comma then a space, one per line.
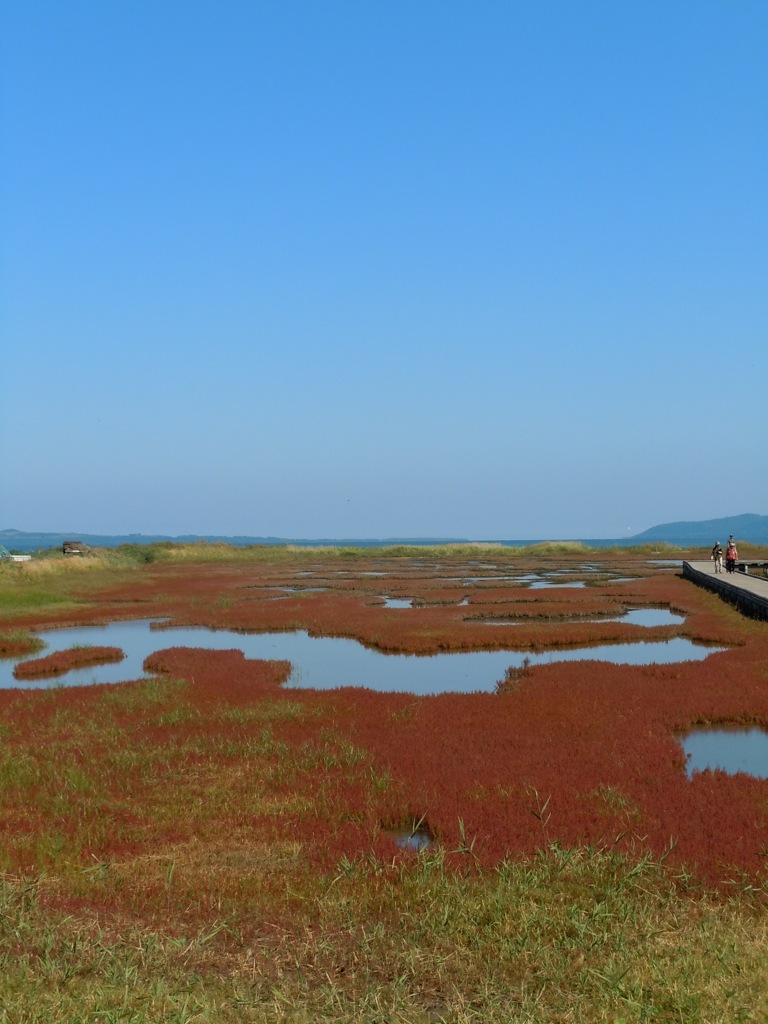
10, 556
75, 547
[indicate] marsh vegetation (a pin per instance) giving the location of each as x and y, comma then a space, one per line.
209, 845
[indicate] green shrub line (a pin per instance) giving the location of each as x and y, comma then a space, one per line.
170, 552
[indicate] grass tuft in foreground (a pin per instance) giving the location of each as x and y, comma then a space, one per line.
572, 935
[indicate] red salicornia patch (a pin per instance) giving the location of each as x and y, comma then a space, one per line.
64, 661
576, 753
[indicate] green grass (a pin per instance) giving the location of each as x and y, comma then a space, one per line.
47, 586
576, 936
168, 552
18, 600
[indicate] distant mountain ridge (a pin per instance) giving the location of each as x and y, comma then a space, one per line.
18, 540
746, 527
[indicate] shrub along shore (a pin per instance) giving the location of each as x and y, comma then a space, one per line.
169, 551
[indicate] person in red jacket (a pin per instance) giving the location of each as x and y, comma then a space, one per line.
731, 555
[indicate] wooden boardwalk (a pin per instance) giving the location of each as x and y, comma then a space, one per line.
749, 593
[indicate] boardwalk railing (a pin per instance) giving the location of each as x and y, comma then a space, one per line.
747, 565
749, 593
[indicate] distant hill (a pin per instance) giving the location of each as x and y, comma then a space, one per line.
747, 527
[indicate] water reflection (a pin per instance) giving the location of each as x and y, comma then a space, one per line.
651, 617
417, 837
330, 662
634, 617
548, 584
732, 750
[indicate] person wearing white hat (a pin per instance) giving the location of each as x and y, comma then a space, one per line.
717, 556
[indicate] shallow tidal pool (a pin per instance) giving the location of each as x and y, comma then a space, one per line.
326, 663
730, 750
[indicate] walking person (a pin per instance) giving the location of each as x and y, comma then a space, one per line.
731, 555
717, 556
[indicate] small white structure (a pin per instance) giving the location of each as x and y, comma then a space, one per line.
6, 556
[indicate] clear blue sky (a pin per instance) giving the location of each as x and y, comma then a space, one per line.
337, 268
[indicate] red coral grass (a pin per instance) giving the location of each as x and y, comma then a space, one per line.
64, 661
573, 753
